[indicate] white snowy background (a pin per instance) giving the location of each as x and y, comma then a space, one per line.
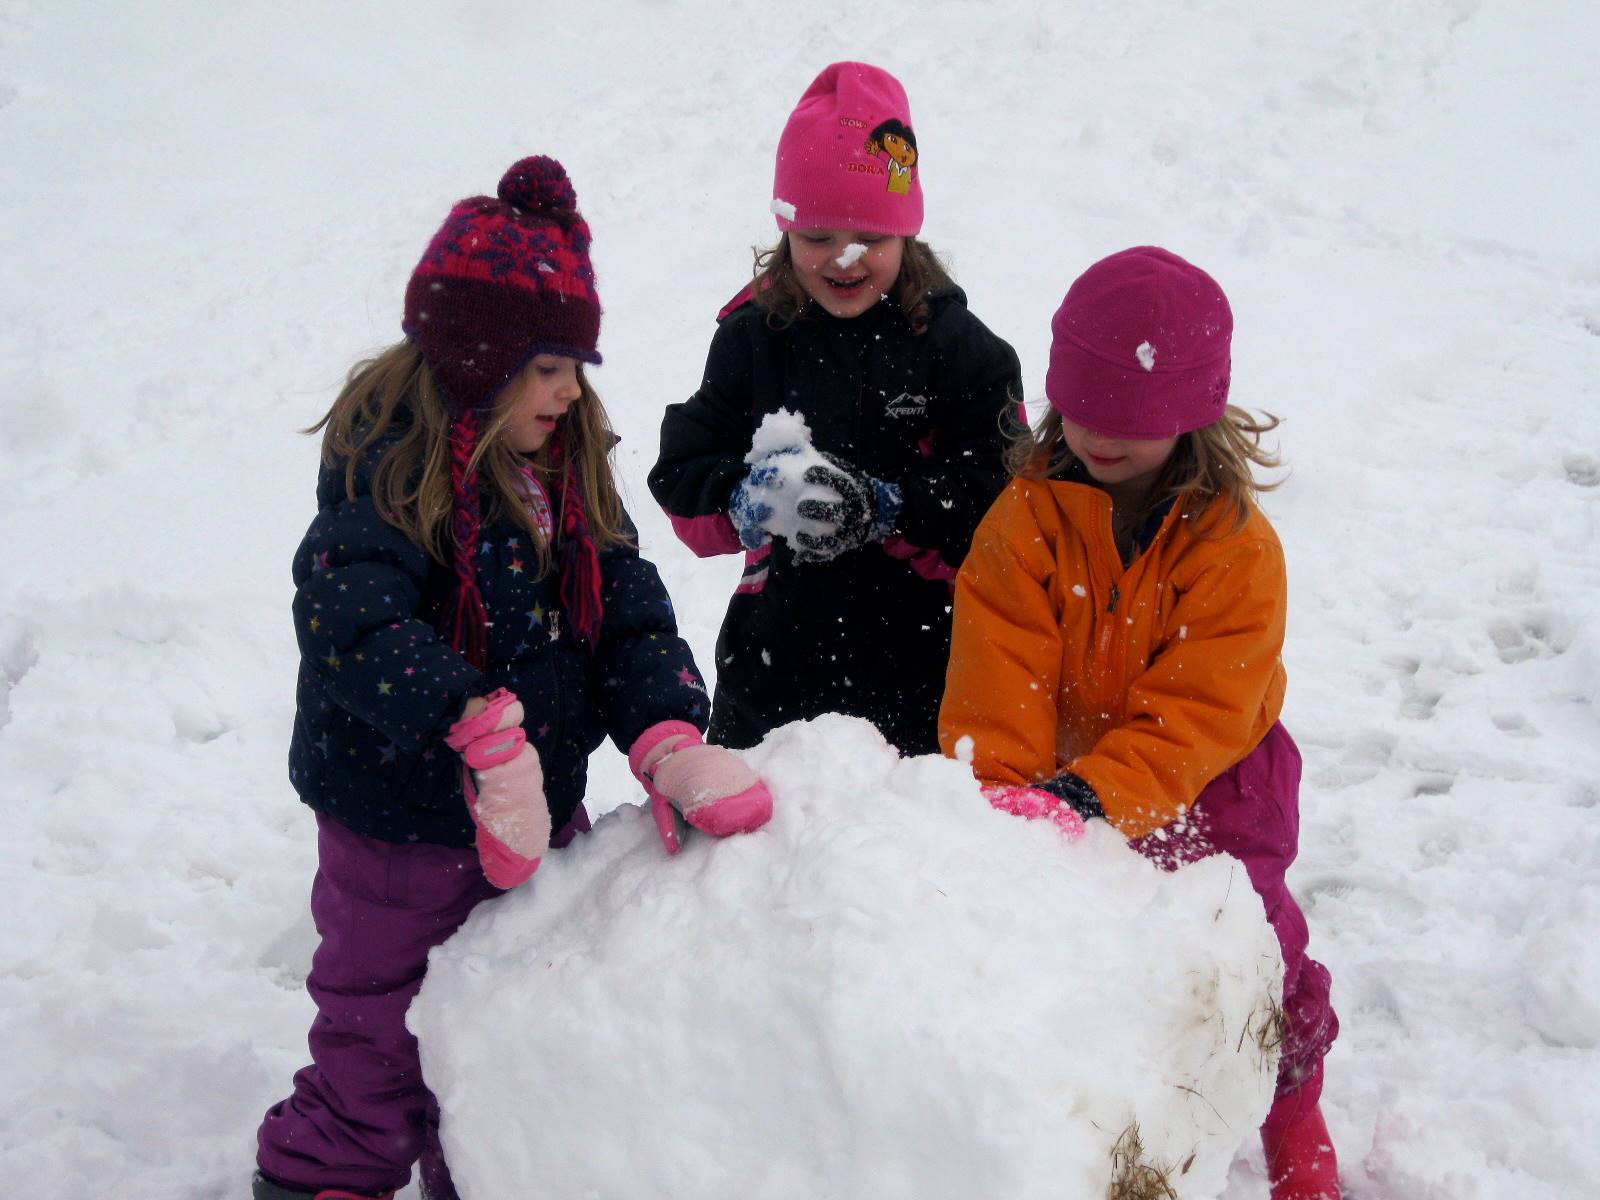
208, 211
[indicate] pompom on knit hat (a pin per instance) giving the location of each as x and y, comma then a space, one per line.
507, 278
848, 157
1141, 347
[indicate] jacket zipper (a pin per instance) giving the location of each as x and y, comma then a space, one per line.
1105, 650
1103, 653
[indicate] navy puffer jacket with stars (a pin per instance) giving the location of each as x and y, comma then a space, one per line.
379, 685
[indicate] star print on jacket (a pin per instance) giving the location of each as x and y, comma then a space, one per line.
379, 685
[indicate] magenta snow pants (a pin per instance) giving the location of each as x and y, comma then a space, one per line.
1252, 811
360, 1115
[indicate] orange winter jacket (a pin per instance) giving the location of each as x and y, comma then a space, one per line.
1148, 681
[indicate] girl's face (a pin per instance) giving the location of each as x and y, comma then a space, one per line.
843, 281
537, 397
1124, 466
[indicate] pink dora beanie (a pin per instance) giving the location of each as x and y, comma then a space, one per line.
1140, 347
848, 157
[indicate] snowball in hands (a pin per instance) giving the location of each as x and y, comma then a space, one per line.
893, 991
780, 455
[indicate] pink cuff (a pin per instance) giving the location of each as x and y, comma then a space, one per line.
469, 729
930, 564
651, 738
667, 818
707, 536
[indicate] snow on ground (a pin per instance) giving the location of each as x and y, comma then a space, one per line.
207, 212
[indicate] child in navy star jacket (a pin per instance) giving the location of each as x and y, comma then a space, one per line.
474, 618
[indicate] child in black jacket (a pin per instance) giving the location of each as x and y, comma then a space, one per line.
856, 501
473, 617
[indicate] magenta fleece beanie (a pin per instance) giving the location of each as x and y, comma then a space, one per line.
848, 157
1140, 347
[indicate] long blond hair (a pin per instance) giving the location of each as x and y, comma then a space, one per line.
778, 290
1209, 471
393, 395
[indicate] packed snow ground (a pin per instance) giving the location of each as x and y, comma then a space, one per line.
206, 212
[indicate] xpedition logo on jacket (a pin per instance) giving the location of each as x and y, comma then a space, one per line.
907, 405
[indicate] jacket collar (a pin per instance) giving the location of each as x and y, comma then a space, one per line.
1076, 472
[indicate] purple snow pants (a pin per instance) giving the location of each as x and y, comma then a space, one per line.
360, 1115
1252, 811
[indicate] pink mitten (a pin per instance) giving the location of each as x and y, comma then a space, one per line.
1032, 803
712, 787
504, 786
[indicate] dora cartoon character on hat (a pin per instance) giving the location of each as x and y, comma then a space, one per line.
893, 138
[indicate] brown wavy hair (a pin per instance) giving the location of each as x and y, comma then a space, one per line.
1209, 470
393, 393
778, 290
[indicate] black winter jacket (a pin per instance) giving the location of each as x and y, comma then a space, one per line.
867, 633
379, 686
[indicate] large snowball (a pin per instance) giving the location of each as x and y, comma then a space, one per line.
891, 991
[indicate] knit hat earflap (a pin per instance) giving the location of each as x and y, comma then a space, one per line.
1141, 347
848, 157
578, 558
504, 279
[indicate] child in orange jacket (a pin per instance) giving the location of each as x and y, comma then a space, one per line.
1119, 623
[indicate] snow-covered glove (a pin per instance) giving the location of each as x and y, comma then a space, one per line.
750, 508
1035, 803
504, 786
714, 789
763, 503
863, 509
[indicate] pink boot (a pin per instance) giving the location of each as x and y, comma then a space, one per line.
712, 787
1301, 1164
262, 1188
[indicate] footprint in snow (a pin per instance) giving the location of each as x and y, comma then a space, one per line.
1514, 724
1433, 785
1418, 697
1364, 756
1582, 469
1532, 635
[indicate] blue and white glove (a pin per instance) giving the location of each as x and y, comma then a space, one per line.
865, 511
756, 499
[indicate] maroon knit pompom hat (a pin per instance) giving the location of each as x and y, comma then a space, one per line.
505, 279
1141, 347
